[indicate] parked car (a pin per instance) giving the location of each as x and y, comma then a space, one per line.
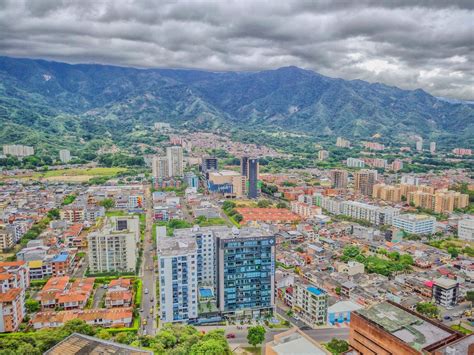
146, 291
230, 336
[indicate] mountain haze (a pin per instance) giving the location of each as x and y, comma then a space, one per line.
49, 98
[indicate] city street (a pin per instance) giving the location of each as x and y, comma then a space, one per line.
240, 338
147, 273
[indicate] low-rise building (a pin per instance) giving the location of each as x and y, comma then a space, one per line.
310, 303
415, 224
466, 229
445, 291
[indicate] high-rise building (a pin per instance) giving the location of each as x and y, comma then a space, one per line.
114, 247
445, 291
253, 178
396, 165
441, 201
18, 150
65, 156
355, 163
244, 166
466, 229
245, 261
323, 155
160, 167
209, 164
342, 143
432, 147
177, 270
338, 178
419, 144
364, 181
191, 180
175, 161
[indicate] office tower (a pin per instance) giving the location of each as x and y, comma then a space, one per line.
323, 155
253, 178
65, 156
244, 166
419, 145
338, 178
364, 181
445, 291
355, 163
160, 167
466, 229
114, 247
432, 147
175, 161
245, 271
209, 164
177, 270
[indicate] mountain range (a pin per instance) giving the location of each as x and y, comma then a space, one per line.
44, 99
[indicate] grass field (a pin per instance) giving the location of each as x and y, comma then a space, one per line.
77, 175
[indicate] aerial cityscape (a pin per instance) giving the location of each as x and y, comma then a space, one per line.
204, 178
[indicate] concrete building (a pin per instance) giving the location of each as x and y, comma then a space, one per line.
7, 238
342, 143
191, 180
441, 201
340, 312
338, 178
244, 166
310, 303
373, 214
18, 150
253, 168
292, 342
162, 126
177, 271
419, 145
227, 182
114, 247
209, 164
387, 327
415, 224
323, 155
466, 229
432, 147
65, 156
174, 155
364, 181
351, 267
445, 292
160, 168
355, 163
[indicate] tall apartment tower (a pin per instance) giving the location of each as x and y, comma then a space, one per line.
245, 271
160, 167
175, 161
419, 144
65, 156
338, 178
244, 166
253, 177
364, 181
432, 147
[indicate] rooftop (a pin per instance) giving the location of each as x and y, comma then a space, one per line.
445, 282
293, 342
170, 246
315, 290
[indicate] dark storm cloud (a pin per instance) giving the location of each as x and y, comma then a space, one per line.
427, 44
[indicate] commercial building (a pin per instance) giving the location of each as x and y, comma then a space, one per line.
355, 163
364, 181
310, 303
387, 327
160, 167
294, 341
245, 264
415, 224
338, 178
174, 155
177, 269
191, 180
227, 182
209, 164
466, 229
445, 291
114, 247
253, 168
65, 156
323, 155
18, 150
342, 143
340, 312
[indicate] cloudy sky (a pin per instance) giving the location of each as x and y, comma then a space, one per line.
429, 45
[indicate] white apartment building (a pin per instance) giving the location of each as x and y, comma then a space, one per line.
114, 246
65, 156
432, 147
415, 224
374, 214
466, 229
18, 150
175, 161
177, 269
419, 145
310, 303
355, 163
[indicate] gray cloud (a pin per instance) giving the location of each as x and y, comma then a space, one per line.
423, 44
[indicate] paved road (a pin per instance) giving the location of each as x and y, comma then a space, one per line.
148, 273
98, 295
240, 335
81, 270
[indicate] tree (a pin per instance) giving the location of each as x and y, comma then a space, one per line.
104, 334
470, 297
32, 305
338, 290
238, 217
282, 205
453, 251
208, 347
107, 203
228, 205
337, 346
263, 203
428, 309
78, 326
54, 213
256, 335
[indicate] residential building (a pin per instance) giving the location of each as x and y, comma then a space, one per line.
338, 178
396, 165
387, 193
387, 327
7, 239
373, 214
419, 145
432, 147
323, 155
457, 151
351, 267
119, 293
162, 126
441, 201
65, 156
245, 264
342, 143
227, 182
340, 312
160, 167
253, 168
355, 163
376, 162
373, 145
18, 150
364, 181
191, 180
415, 224
177, 269
310, 303
175, 161
294, 341
305, 210
113, 248
445, 291
466, 229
